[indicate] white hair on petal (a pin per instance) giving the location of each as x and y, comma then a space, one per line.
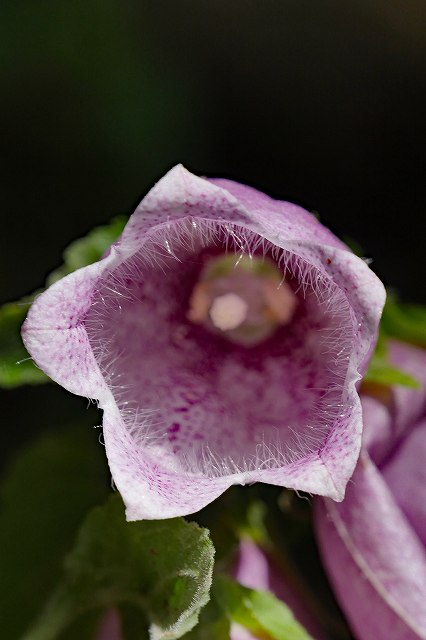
180, 242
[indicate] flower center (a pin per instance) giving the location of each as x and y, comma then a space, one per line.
228, 311
246, 301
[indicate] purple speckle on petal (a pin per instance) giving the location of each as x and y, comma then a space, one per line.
262, 388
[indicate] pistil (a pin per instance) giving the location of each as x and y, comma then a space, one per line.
228, 312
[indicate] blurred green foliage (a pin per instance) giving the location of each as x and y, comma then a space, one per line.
16, 366
381, 371
44, 497
259, 611
162, 568
405, 322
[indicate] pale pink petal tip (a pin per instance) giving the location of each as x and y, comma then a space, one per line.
195, 401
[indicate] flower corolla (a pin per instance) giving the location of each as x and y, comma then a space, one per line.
373, 544
223, 336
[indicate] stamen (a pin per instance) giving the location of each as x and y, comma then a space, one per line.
281, 301
199, 303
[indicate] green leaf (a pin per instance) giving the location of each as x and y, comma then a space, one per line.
44, 498
213, 624
406, 322
133, 623
259, 611
162, 568
16, 366
381, 371
86, 627
89, 249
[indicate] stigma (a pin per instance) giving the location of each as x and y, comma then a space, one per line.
228, 311
245, 300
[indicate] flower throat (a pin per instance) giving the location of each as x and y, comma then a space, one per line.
245, 301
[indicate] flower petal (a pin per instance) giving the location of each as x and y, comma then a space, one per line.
375, 562
180, 194
289, 226
410, 404
293, 221
405, 473
149, 488
187, 414
55, 335
377, 435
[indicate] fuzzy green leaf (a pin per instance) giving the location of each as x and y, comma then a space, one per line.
162, 568
213, 624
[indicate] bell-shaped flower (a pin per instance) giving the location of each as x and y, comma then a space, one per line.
373, 544
223, 336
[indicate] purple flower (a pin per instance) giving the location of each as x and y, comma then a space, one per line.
373, 543
223, 336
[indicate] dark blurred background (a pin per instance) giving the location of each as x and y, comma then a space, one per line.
319, 102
